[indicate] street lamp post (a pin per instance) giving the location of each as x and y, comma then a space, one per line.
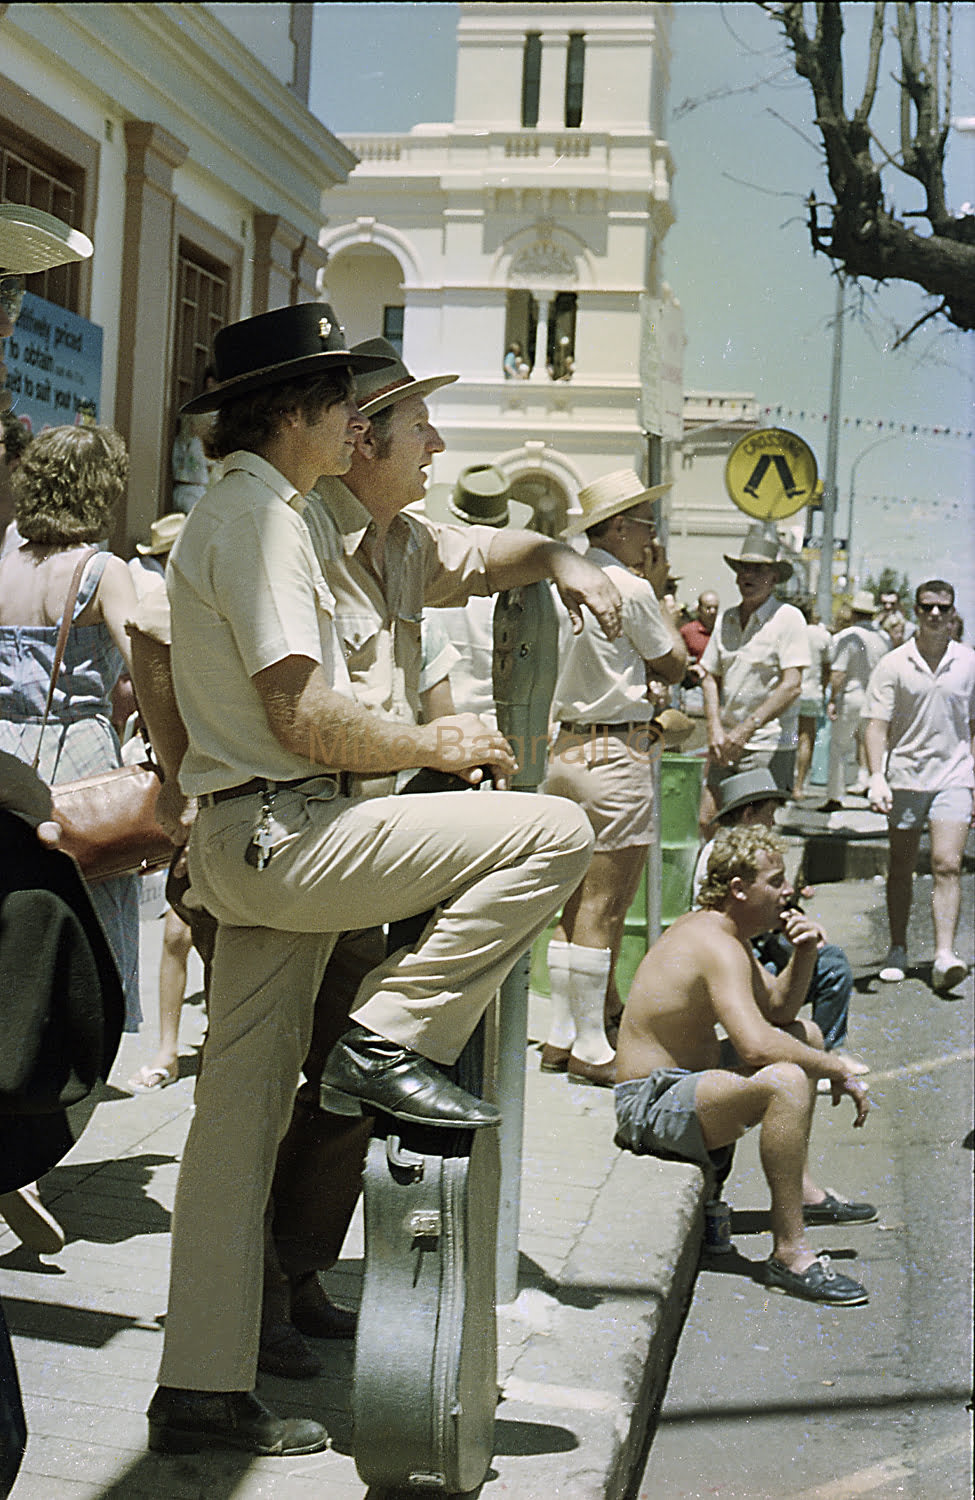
888, 438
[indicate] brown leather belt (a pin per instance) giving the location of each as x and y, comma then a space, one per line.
647, 724
262, 786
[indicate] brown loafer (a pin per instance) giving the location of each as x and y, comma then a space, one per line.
600, 1075
554, 1059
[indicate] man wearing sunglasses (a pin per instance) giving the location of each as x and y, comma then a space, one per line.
920, 722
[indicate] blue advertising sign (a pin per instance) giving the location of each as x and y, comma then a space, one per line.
54, 364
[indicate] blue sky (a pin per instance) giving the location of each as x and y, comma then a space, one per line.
758, 305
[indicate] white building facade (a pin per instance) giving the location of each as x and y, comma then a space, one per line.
532, 223
178, 136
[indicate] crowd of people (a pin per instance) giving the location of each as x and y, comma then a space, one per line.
313, 640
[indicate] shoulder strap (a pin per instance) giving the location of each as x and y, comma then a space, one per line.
62, 642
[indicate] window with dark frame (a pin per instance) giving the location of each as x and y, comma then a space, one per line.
575, 69
31, 175
393, 327
531, 76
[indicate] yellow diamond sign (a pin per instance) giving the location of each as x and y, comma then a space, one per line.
770, 474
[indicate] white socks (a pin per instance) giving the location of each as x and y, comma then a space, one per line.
561, 1026
578, 978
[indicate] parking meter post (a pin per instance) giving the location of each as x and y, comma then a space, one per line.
526, 645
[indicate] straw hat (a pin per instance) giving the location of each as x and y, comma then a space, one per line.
747, 786
482, 497
863, 603
162, 535
760, 546
31, 240
276, 346
376, 389
609, 496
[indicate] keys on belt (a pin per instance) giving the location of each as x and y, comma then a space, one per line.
262, 786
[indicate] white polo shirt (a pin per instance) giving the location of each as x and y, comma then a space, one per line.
750, 662
602, 681
245, 591
929, 716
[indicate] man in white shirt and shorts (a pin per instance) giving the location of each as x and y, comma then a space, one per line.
920, 720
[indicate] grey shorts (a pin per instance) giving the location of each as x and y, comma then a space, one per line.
655, 1117
913, 810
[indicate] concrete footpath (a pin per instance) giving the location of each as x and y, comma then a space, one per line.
609, 1251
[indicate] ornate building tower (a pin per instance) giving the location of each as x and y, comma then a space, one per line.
520, 245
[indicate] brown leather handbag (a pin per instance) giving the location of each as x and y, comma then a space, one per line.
108, 820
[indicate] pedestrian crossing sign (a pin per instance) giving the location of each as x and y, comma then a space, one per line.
770, 474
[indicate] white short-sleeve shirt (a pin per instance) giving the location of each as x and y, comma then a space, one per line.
245, 591
750, 663
602, 681
929, 716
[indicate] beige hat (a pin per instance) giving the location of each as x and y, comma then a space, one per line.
760, 546
162, 535
863, 603
31, 240
377, 389
482, 497
609, 496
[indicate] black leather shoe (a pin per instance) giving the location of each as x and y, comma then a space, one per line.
833, 1210
186, 1421
284, 1352
315, 1314
366, 1072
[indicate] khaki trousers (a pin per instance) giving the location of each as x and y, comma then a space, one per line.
495, 866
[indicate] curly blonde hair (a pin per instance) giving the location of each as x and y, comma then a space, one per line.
735, 853
68, 484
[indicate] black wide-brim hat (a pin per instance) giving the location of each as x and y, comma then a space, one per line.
276, 346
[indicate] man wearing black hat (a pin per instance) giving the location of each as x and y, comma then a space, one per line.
286, 851
753, 668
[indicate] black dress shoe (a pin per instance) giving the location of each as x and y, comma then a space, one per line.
186, 1421
283, 1352
365, 1072
315, 1314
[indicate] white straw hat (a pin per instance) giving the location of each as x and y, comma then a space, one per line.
608, 496
162, 534
32, 240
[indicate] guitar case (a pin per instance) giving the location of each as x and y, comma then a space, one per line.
425, 1386
425, 1383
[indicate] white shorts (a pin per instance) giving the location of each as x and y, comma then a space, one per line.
913, 810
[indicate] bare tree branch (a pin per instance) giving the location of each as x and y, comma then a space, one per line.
866, 237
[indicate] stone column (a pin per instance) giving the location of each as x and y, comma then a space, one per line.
145, 359
539, 371
276, 246
309, 259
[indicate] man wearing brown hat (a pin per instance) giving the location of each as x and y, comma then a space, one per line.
753, 668
282, 755
602, 760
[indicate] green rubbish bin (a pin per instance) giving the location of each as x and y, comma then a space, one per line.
681, 777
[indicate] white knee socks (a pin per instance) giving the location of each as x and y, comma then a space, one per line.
588, 977
561, 1026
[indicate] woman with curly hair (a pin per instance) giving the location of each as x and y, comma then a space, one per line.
66, 489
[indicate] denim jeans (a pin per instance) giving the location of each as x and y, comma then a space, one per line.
829, 989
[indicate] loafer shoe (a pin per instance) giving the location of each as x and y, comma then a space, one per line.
188, 1421
283, 1352
835, 1210
33, 1224
895, 966
598, 1075
819, 1283
554, 1059
365, 1072
947, 972
316, 1315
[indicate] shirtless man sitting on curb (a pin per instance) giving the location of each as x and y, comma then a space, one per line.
680, 1092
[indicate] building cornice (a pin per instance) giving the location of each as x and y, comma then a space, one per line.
180, 52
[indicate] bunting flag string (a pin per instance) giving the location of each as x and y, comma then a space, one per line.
870, 424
